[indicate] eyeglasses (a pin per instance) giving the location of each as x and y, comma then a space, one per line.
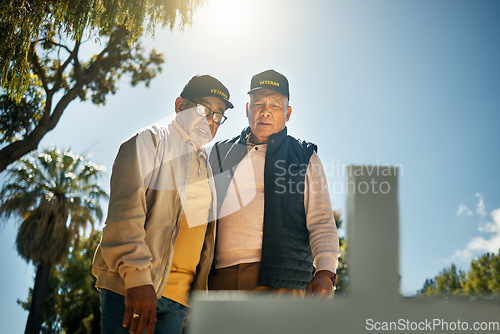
205, 111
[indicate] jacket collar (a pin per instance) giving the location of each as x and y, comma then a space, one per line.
244, 135
274, 142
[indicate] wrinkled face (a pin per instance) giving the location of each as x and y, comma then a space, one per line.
267, 113
201, 129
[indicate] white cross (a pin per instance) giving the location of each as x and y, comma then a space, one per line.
374, 301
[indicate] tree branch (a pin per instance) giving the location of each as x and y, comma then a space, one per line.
58, 76
17, 149
62, 46
30, 142
54, 43
62, 104
37, 68
116, 37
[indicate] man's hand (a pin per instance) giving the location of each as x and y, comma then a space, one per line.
321, 285
140, 309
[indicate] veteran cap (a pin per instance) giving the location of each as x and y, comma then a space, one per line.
206, 85
270, 79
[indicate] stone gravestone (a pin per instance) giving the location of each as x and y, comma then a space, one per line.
373, 304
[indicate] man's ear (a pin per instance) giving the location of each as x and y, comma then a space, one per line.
179, 104
247, 110
288, 113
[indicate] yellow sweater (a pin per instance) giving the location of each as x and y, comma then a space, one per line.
189, 242
186, 257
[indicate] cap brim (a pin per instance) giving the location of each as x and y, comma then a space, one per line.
229, 105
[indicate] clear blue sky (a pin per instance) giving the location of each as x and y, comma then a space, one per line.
408, 83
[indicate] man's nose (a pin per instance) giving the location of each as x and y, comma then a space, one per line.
266, 110
205, 122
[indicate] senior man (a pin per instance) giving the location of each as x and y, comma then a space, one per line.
276, 231
157, 242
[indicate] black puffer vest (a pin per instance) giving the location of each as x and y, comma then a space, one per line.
286, 252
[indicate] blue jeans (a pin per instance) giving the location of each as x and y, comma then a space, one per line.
170, 315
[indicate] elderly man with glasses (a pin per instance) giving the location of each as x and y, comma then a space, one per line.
158, 240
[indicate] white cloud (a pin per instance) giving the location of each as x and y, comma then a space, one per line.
492, 227
480, 207
477, 247
480, 245
463, 210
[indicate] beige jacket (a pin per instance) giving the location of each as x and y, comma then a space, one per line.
145, 211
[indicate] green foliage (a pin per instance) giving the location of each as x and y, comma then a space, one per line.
24, 23
342, 278
429, 285
484, 276
44, 191
42, 69
482, 279
55, 195
19, 118
72, 304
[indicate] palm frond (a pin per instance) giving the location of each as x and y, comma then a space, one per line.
57, 196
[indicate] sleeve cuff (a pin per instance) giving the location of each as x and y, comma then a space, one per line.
327, 262
135, 278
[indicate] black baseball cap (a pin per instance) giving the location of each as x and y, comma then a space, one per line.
270, 79
206, 85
